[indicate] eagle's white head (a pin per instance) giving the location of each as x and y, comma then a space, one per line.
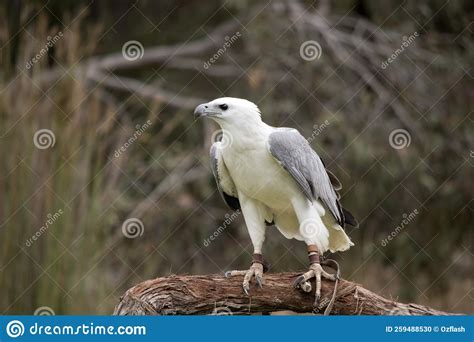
229, 111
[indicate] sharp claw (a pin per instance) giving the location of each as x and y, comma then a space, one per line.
316, 302
259, 281
228, 274
246, 289
297, 282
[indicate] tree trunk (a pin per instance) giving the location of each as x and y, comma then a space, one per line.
214, 294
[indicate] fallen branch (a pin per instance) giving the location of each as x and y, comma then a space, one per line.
208, 294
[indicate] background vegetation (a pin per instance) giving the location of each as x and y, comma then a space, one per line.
345, 102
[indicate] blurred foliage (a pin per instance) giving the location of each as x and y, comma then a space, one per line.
83, 262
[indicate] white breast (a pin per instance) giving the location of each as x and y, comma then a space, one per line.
257, 175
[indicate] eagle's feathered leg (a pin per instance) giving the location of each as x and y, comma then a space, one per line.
256, 270
316, 271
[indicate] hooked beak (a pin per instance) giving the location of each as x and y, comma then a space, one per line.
203, 110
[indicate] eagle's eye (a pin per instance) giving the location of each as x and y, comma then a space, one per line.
223, 106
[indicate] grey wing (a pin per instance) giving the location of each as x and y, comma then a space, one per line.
224, 181
296, 156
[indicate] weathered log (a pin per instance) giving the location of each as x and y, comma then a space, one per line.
215, 294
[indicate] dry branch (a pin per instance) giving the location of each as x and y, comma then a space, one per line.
102, 70
207, 294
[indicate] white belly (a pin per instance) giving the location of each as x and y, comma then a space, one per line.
259, 176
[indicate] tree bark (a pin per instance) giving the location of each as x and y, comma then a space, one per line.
215, 294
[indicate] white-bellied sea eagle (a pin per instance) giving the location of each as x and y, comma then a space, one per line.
275, 178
